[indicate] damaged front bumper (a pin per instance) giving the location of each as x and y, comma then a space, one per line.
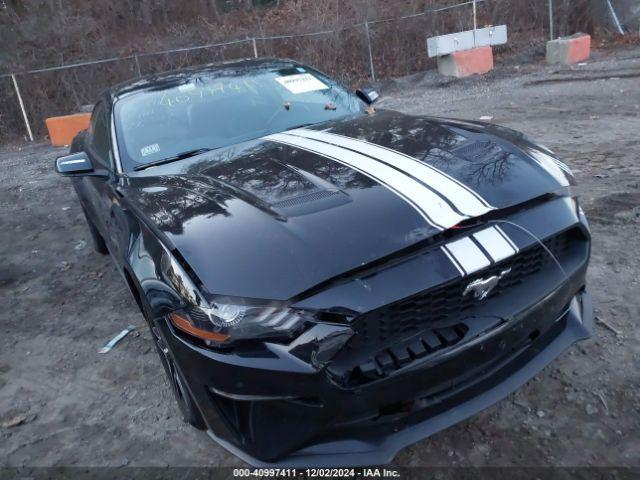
299, 418
380, 445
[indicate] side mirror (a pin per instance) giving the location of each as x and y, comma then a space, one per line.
368, 95
77, 165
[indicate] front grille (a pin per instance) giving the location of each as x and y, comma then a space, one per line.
415, 327
446, 302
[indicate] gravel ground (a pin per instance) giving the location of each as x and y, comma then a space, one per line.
61, 302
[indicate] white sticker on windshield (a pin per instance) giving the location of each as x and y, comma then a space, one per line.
301, 83
149, 149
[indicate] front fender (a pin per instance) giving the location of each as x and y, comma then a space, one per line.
146, 262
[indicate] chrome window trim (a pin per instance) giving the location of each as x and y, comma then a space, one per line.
114, 142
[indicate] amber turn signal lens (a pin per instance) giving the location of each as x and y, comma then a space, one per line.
185, 325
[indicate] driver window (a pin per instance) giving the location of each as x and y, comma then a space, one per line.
100, 136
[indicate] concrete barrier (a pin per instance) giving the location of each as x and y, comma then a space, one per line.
466, 62
569, 50
63, 129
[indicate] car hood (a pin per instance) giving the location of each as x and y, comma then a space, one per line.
274, 217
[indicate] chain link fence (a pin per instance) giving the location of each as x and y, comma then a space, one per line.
355, 54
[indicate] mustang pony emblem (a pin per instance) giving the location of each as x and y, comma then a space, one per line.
482, 287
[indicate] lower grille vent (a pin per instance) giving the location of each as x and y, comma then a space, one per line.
397, 356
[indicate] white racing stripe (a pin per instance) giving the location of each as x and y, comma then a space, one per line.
494, 243
550, 165
431, 206
468, 255
563, 166
453, 260
465, 200
507, 238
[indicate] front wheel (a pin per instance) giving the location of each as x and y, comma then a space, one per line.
187, 405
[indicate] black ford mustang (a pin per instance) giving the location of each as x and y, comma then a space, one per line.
326, 283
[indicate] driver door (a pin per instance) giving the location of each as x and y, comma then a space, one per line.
101, 198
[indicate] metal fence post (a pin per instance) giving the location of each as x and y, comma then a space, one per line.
550, 19
137, 63
615, 17
255, 47
24, 112
475, 23
373, 70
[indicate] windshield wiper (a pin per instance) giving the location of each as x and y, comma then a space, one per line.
173, 158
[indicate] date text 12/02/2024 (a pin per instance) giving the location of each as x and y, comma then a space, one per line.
317, 472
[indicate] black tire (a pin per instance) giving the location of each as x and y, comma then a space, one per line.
188, 409
98, 242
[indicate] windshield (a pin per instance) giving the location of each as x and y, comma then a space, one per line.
207, 110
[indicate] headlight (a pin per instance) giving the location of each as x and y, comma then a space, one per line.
227, 319
224, 323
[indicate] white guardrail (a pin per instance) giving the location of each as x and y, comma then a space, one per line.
455, 42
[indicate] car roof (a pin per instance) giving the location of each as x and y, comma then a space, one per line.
162, 80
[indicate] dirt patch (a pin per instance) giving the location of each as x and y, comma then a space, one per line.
61, 302
615, 208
